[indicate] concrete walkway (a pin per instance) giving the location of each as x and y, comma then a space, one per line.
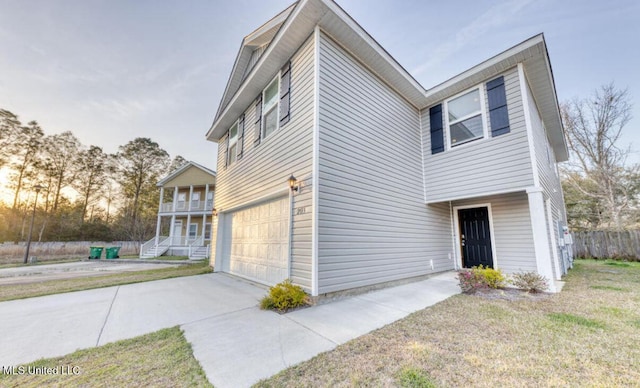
236, 342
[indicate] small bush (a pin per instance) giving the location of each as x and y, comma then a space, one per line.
529, 281
493, 277
470, 281
284, 296
480, 277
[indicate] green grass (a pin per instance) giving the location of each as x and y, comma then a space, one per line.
570, 319
579, 337
160, 359
21, 291
414, 378
609, 288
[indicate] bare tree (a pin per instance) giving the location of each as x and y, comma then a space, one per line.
9, 127
27, 145
92, 168
60, 157
598, 169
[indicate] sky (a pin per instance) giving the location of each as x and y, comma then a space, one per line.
113, 70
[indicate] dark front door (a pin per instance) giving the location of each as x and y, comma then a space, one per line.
475, 237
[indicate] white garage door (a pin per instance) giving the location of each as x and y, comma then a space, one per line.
260, 242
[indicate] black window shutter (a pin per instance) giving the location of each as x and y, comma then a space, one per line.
437, 132
285, 95
498, 113
241, 136
258, 123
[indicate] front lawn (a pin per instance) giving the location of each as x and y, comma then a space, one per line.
160, 359
585, 336
21, 291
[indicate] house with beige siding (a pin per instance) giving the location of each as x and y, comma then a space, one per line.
338, 170
185, 213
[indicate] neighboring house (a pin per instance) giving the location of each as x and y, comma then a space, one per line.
393, 180
184, 215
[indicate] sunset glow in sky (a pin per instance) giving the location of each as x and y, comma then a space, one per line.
113, 70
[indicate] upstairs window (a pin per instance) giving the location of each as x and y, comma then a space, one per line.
465, 118
182, 200
195, 201
273, 105
232, 148
270, 100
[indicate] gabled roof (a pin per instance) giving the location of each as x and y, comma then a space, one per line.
300, 22
252, 43
181, 170
297, 23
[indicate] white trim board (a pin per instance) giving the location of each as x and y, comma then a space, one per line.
456, 240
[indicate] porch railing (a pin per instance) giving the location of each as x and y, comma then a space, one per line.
198, 242
155, 245
194, 206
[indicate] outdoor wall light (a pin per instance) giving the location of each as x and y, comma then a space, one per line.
293, 183
215, 212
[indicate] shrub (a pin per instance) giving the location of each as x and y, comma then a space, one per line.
480, 277
470, 281
529, 281
284, 296
492, 277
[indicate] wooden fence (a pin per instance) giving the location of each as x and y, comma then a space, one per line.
14, 253
607, 245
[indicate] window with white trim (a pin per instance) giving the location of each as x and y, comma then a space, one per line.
193, 231
232, 146
195, 201
465, 121
270, 111
182, 201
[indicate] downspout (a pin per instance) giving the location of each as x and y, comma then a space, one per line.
453, 238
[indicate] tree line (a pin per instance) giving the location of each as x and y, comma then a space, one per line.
87, 194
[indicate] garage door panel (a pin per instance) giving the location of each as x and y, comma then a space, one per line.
260, 241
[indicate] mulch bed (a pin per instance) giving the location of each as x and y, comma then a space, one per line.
509, 294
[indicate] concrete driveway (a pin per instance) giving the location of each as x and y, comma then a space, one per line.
236, 343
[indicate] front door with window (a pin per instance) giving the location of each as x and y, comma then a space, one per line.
475, 237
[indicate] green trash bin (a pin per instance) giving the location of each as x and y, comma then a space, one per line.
112, 252
95, 252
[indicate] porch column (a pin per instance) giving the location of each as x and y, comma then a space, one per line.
159, 216
206, 196
175, 200
188, 227
173, 222
541, 241
190, 196
204, 226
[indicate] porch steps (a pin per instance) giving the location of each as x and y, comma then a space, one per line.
199, 253
154, 251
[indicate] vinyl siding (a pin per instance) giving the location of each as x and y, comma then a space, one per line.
265, 168
548, 176
373, 225
485, 166
511, 231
